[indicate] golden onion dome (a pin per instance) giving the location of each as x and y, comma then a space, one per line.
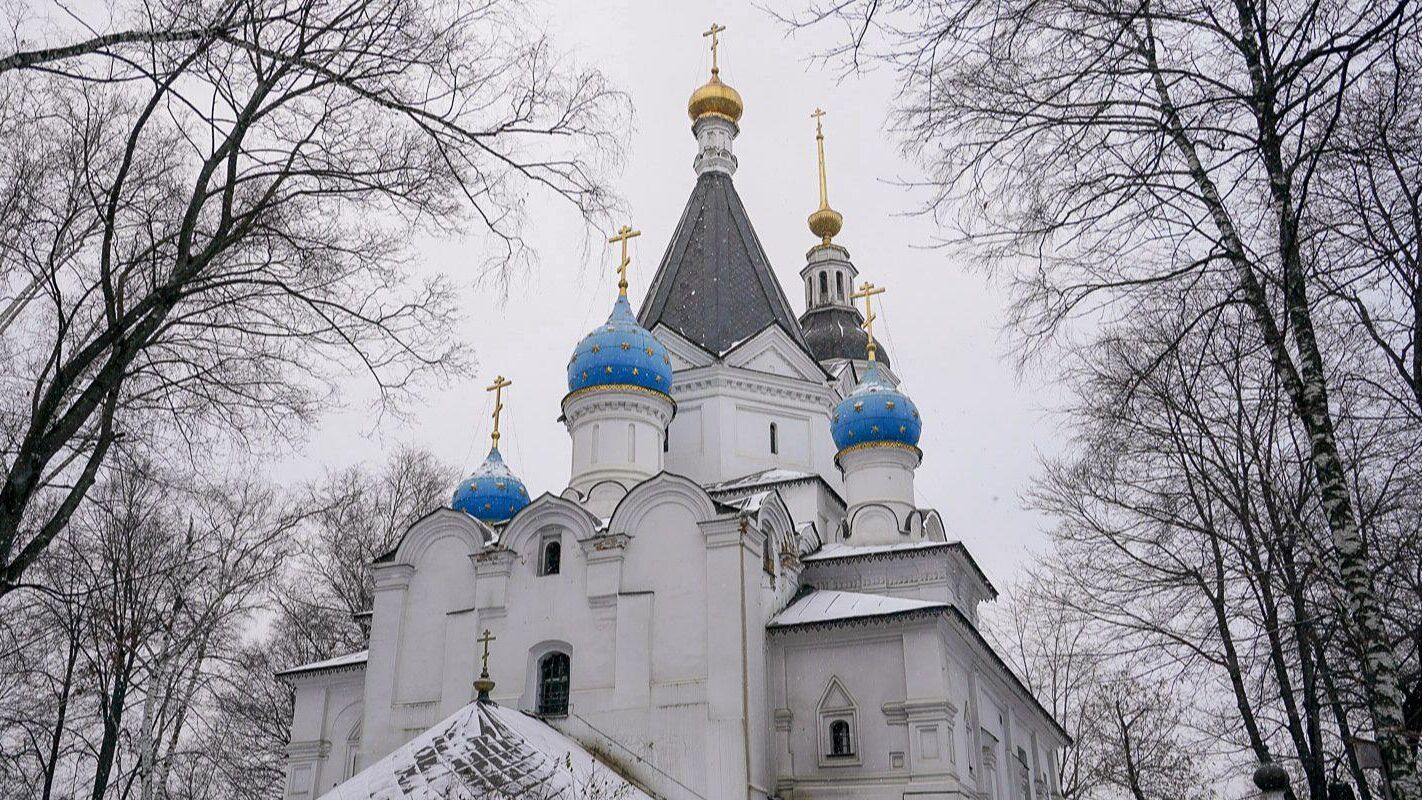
715, 98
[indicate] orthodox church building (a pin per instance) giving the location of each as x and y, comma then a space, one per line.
738, 593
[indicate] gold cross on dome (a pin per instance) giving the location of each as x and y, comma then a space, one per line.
500, 383
484, 640
867, 291
715, 41
623, 234
819, 128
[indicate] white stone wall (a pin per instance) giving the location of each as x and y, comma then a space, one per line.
722, 425
617, 437
325, 746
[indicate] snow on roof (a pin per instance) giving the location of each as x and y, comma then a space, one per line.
487, 751
842, 550
761, 478
827, 605
751, 503
348, 660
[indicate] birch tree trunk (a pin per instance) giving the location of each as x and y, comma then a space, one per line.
1118, 161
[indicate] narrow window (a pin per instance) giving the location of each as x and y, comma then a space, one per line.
553, 672
839, 285
824, 286
666, 440
840, 745
767, 555
595, 433
552, 557
774, 439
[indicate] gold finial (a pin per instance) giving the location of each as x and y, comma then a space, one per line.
484, 685
867, 291
623, 234
500, 383
715, 98
714, 33
825, 222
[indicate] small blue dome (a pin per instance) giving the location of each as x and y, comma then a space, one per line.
493, 493
620, 352
875, 412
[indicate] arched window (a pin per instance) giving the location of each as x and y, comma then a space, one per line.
767, 554
840, 743
774, 439
553, 670
839, 284
666, 440
552, 557
824, 286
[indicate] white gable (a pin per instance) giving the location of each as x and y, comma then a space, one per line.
773, 351
684, 354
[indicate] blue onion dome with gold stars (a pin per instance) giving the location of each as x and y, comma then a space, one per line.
620, 354
875, 413
493, 493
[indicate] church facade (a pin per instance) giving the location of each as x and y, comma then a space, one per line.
738, 594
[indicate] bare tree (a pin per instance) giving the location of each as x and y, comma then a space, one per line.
1128, 720
208, 216
1189, 538
1122, 160
349, 519
356, 515
162, 578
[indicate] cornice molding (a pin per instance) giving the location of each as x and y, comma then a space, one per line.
619, 394
902, 712
494, 561
604, 546
822, 396
314, 749
392, 576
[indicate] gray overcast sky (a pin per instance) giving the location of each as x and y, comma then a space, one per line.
983, 426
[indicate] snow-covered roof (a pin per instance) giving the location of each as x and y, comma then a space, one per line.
827, 605
726, 491
487, 751
839, 550
348, 660
761, 478
842, 550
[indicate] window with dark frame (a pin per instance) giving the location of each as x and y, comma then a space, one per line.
553, 678
774, 439
840, 743
552, 557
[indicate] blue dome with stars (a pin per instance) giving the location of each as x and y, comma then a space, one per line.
493, 493
875, 412
620, 353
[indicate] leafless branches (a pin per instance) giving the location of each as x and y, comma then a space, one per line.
1122, 163
208, 216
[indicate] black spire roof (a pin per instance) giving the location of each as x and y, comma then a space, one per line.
833, 331
715, 286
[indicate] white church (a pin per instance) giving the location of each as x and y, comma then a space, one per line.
736, 596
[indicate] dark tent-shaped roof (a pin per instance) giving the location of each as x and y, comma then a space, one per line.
834, 332
715, 286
